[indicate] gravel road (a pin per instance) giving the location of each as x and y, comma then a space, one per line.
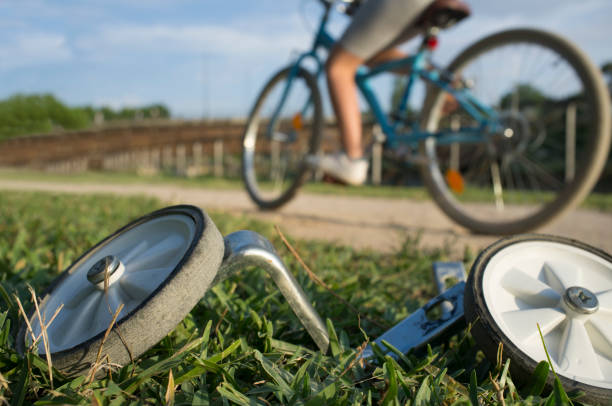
362, 222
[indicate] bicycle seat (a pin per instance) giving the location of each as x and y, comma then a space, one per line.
444, 14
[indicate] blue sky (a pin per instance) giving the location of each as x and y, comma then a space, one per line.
209, 58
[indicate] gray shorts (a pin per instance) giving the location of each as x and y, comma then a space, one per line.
381, 24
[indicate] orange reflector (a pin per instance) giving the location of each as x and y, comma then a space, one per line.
455, 181
297, 122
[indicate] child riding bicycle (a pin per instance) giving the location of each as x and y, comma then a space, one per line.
372, 37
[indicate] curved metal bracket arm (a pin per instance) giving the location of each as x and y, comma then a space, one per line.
244, 248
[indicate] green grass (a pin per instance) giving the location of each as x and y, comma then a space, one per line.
242, 344
121, 178
597, 201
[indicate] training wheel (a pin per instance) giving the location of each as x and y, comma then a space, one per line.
158, 268
564, 286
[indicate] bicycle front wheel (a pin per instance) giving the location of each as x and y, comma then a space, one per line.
282, 129
546, 142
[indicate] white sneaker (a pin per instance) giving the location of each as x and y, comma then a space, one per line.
340, 166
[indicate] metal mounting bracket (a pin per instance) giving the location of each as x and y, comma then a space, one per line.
417, 329
245, 248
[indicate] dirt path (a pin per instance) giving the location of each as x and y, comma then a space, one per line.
377, 223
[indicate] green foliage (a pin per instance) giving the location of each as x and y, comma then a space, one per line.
526, 94
242, 344
127, 113
35, 114
538, 379
31, 114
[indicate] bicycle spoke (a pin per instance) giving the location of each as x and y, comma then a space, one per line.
475, 172
516, 169
539, 171
506, 169
532, 80
562, 79
534, 58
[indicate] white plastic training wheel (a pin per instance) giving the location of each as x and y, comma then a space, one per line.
563, 286
158, 267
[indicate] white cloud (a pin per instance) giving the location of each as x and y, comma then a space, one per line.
43, 10
172, 39
33, 48
215, 55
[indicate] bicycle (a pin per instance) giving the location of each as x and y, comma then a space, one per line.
527, 140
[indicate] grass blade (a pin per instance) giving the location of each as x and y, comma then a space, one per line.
276, 374
473, 388
22, 382
392, 389
538, 379
170, 390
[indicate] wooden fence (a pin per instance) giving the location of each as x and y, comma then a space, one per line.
181, 147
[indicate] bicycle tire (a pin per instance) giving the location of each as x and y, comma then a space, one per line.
519, 276
593, 146
257, 148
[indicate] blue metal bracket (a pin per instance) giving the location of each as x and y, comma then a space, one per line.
418, 329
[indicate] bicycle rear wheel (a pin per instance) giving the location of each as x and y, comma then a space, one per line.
273, 153
550, 144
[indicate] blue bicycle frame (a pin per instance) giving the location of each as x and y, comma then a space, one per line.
419, 68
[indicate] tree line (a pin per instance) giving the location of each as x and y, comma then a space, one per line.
23, 114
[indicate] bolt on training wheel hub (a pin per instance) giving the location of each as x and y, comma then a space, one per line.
581, 300
105, 268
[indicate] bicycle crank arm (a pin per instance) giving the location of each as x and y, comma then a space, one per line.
418, 329
247, 248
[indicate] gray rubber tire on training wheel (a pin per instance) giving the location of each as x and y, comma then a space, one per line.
182, 238
249, 141
586, 176
507, 278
